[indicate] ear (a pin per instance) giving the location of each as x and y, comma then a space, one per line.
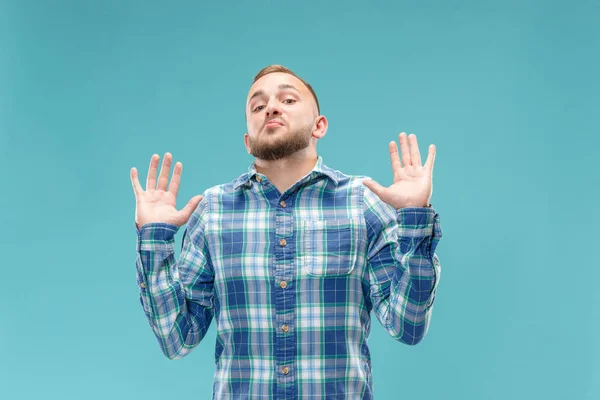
247, 142
321, 125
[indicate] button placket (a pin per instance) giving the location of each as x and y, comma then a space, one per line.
284, 248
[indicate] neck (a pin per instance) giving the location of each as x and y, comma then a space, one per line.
283, 173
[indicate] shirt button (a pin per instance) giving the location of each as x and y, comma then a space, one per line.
282, 242
282, 203
143, 285
285, 370
283, 284
258, 178
285, 328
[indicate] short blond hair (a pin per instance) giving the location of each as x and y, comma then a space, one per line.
280, 68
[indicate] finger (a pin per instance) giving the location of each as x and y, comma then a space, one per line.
406, 161
163, 179
430, 158
374, 187
151, 178
137, 188
395, 159
191, 206
174, 185
415, 154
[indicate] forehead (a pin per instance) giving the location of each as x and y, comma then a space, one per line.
270, 83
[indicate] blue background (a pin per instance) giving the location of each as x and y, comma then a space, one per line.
508, 91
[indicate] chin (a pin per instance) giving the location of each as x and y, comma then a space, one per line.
274, 128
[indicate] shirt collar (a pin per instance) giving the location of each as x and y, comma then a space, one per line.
318, 170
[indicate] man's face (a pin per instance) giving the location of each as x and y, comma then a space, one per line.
281, 114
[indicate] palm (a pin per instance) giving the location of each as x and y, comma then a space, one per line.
157, 203
412, 186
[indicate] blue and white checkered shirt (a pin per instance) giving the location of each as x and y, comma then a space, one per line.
290, 280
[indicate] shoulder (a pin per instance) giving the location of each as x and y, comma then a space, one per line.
346, 181
223, 193
371, 204
354, 184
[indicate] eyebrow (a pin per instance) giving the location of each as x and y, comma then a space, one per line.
282, 86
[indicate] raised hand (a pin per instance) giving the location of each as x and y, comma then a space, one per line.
413, 184
156, 203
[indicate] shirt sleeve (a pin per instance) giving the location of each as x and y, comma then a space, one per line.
176, 295
404, 270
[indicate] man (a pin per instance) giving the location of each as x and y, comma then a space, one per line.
289, 258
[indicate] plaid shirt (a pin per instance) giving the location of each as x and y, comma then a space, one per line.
290, 280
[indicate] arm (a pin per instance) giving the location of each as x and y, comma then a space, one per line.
403, 267
176, 295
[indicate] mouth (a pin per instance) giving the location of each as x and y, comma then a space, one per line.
273, 124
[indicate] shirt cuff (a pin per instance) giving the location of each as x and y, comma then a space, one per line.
155, 236
418, 221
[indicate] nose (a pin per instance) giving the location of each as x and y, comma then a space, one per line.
272, 108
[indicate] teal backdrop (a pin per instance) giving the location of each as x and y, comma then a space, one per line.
507, 91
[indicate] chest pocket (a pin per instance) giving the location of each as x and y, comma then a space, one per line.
329, 247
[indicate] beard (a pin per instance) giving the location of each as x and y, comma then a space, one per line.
282, 145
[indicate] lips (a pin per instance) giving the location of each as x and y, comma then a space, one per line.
273, 123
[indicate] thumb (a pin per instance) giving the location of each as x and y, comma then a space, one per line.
374, 186
191, 206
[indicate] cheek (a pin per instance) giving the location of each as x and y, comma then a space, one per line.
254, 126
305, 118
307, 121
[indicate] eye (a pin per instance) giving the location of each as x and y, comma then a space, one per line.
289, 100
257, 108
